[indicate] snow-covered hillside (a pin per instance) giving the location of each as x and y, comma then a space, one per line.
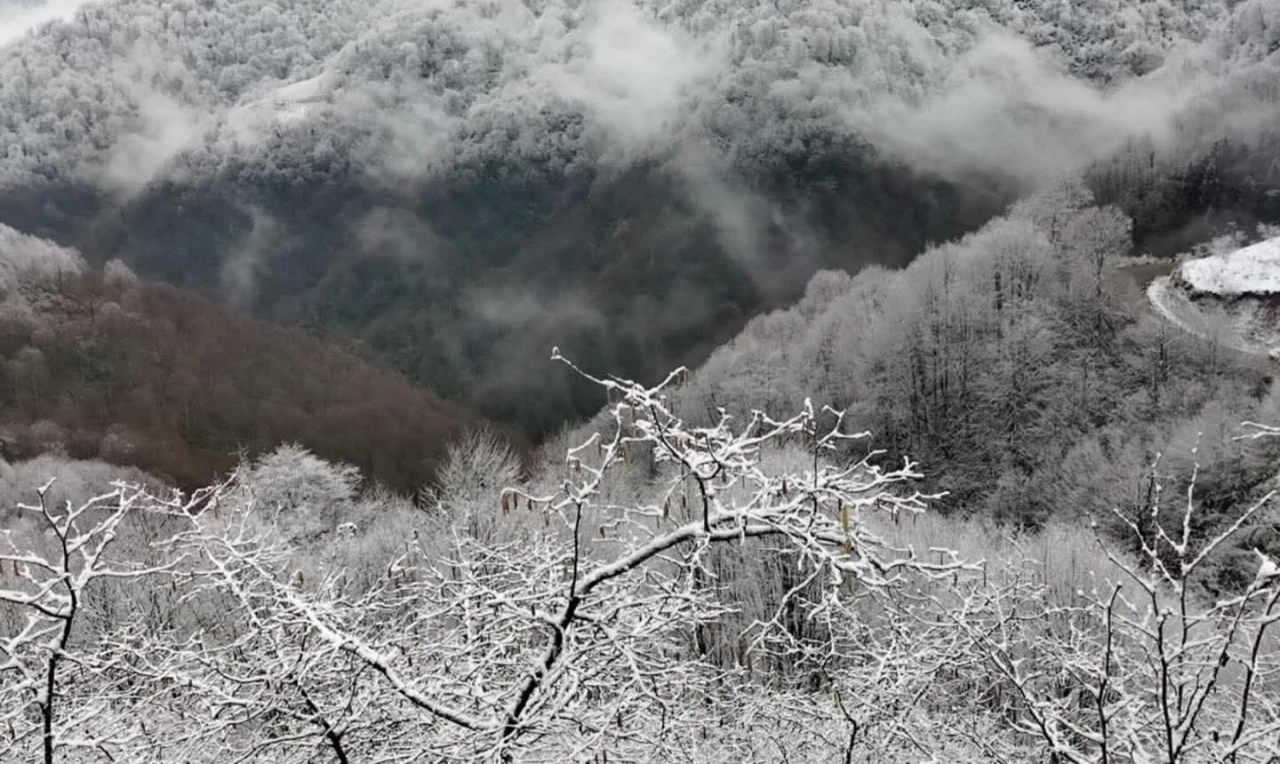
27, 262
1228, 297
631, 158
426, 86
1251, 271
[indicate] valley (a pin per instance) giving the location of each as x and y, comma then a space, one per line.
653, 381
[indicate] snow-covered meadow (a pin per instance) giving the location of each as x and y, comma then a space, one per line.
1229, 297
1251, 271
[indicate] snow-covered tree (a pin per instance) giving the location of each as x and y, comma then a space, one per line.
571, 625
65, 696
304, 494
1140, 666
742, 590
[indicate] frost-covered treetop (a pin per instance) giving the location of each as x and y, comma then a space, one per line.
123, 88
27, 261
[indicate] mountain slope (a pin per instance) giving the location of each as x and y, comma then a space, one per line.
99, 364
1021, 368
462, 185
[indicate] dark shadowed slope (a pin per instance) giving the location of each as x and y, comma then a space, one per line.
111, 367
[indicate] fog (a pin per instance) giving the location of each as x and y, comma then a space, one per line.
17, 17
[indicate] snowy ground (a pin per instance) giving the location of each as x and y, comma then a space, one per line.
1173, 304
1253, 270
285, 105
1226, 299
1232, 298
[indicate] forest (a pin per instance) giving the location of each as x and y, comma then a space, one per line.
753, 590
389, 176
987, 507
633, 381
101, 365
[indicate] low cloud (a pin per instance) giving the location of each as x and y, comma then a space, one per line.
415, 138
1007, 110
637, 80
741, 218
398, 235
244, 264
167, 129
16, 19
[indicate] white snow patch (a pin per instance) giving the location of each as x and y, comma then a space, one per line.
1252, 270
292, 102
288, 104
1244, 325
312, 89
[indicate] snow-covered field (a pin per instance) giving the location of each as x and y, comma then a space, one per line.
1253, 270
1226, 298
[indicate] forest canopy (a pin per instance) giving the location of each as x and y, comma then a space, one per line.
99, 364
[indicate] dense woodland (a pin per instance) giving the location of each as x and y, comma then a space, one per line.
738, 592
1022, 366
99, 364
504, 78
909, 469
1079, 568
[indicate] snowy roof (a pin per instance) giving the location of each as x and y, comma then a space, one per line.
1252, 270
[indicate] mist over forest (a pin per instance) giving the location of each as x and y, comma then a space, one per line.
457, 186
637, 381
